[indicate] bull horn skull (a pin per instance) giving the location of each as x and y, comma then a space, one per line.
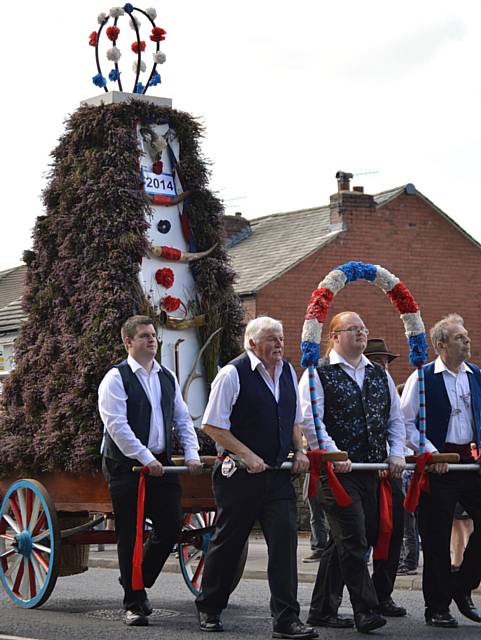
176, 255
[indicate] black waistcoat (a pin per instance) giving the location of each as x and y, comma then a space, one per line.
357, 419
257, 420
139, 412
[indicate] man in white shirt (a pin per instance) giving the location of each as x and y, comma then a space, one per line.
359, 411
453, 421
140, 404
253, 413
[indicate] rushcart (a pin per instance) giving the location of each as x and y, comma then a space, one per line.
47, 524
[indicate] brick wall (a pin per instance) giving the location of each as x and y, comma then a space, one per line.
441, 267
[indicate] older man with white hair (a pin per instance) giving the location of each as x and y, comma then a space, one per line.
253, 414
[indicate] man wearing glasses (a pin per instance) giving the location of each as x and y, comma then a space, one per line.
360, 413
453, 421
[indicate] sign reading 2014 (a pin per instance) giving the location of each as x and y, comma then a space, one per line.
162, 184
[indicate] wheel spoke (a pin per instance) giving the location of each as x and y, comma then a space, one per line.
41, 560
32, 523
198, 571
11, 522
19, 577
7, 536
41, 547
39, 568
16, 510
23, 507
31, 578
41, 522
8, 553
14, 566
24, 585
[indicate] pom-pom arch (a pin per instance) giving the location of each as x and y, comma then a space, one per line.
400, 297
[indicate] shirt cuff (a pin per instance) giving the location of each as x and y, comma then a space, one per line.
191, 454
146, 457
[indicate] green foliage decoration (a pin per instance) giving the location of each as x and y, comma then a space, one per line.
82, 282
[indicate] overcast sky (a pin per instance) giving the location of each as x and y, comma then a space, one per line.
289, 92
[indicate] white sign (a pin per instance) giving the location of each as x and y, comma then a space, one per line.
162, 184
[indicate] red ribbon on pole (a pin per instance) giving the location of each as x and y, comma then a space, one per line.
381, 550
137, 577
341, 496
419, 482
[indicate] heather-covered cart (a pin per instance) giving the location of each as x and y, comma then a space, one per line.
47, 525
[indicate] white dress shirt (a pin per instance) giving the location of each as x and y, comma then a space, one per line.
113, 411
226, 386
396, 433
460, 425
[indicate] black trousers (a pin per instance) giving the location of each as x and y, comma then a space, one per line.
436, 511
344, 560
241, 500
384, 571
162, 506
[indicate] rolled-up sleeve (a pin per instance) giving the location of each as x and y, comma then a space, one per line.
307, 424
396, 430
410, 409
184, 427
223, 395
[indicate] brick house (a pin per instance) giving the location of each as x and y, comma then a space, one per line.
281, 258
11, 314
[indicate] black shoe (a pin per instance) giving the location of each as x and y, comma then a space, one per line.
335, 622
466, 606
390, 609
146, 607
294, 630
441, 619
314, 557
135, 618
210, 622
368, 621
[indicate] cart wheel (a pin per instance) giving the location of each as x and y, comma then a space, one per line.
192, 553
29, 544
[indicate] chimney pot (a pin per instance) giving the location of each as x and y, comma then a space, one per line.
238, 213
358, 189
343, 180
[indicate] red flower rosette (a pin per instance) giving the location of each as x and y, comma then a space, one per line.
165, 277
158, 34
112, 33
93, 39
318, 305
135, 46
171, 253
158, 167
170, 303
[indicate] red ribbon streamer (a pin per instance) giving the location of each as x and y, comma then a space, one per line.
137, 577
381, 550
341, 496
419, 482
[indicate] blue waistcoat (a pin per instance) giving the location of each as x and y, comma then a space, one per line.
257, 420
356, 419
139, 411
438, 407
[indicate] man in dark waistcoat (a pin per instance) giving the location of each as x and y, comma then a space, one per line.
252, 413
453, 422
359, 411
140, 404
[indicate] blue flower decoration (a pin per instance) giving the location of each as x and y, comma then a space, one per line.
99, 80
128, 7
155, 79
418, 349
114, 75
139, 87
311, 353
358, 271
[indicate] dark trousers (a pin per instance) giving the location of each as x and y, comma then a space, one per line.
162, 506
384, 571
241, 500
344, 560
436, 511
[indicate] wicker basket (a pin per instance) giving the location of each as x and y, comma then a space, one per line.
74, 558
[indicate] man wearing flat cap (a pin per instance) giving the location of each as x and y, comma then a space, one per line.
384, 571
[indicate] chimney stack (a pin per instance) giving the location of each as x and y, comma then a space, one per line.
347, 205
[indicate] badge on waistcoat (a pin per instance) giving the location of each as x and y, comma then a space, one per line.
228, 467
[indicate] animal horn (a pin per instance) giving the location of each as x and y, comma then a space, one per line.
176, 255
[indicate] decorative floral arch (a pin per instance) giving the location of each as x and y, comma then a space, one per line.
400, 297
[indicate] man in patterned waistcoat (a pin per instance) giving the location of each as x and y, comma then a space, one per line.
253, 413
360, 413
140, 403
453, 421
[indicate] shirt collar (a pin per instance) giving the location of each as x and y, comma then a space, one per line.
336, 358
255, 361
439, 367
136, 366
